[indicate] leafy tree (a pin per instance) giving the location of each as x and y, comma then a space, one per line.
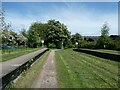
117, 44
7, 36
76, 38
67, 43
33, 38
86, 44
2, 18
40, 29
2, 24
21, 39
23, 32
104, 40
57, 33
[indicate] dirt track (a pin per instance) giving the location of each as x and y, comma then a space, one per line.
47, 77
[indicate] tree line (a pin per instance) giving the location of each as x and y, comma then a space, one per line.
55, 35
103, 42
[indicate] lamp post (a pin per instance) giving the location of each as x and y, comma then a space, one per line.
42, 43
76, 44
62, 45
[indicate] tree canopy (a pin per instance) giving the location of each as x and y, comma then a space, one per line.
57, 33
54, 33
76, 38
104, 39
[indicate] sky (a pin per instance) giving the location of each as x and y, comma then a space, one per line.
85, 18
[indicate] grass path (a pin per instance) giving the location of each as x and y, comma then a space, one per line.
79, 70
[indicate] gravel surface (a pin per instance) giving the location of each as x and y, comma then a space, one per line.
47, 77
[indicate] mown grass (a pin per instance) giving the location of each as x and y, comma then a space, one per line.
80, 70
108, 51
10, 54
28, 77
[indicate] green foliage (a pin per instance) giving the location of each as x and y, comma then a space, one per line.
117, 44
51, 45
76, 38
33, 38
53, 33
22, 40
57, 33
41, 29
68, 44
86, 44
104, 40
36, 33
8, 37
23, 32
105, 29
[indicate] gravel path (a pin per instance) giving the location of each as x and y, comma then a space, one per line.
47, 77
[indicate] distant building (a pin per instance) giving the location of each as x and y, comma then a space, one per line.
94, 38
91, 38
115, 37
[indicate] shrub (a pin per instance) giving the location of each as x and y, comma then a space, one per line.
51, 45
68, 44
86, 44
117, 43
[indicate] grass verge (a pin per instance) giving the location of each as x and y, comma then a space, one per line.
108, 51
26, 79
80, 70
16, 53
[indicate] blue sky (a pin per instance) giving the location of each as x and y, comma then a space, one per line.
85, 18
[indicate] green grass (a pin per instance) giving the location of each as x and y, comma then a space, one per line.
80, 70
10, 54
28, 77
108, 51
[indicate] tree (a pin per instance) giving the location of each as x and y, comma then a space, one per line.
33, 38
2, 24
23, 32
54, 33
76, 38
57, 33
104, 40
7, 36
2, 18
41, 30
21, 40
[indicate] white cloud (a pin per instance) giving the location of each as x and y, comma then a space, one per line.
18, 22
83, 21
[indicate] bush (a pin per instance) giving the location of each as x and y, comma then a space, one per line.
51, 45
68, 44
86, 44
117, 43
111, 45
